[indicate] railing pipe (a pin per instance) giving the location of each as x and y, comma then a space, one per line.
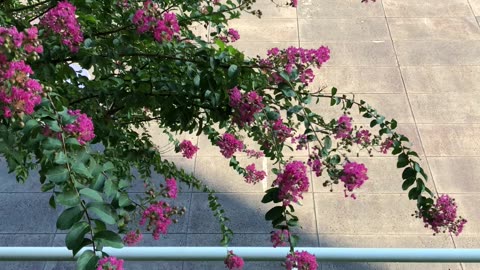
249, 254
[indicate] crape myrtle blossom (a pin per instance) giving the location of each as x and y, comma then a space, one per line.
442, 216
363, 137
280, 131
188, 149
82, 128
344, 127
294, 3
301, 260
231, 36
62, 20
292, 182
244, 106
233, 262
163, 25
386, 145
252, 176
252, 153
279, 238
159, 217
301, 141
229, 145
294, 58
172, 189
110, 263
132, 238
353, 176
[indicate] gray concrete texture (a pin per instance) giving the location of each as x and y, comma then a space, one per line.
416, 61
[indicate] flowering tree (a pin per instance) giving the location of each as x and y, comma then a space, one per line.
148, 66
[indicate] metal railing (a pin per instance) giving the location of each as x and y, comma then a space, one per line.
249, 254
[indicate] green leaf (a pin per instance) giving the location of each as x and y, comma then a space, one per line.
68, 198
29, 125
109, 239
108, 166
409, 173
69, 217
57, 175
123, 200
334, 91
72, 141
48, 186
75, 236
402, 160
274, 213
294, 239
408, 183
270, 195
81, 169
52, 144
233, 71
103, 211
413, 194
196, 80
393, 124
52, 203
60, 158
87, 260
91, 194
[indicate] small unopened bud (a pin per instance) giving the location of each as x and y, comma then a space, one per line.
175, 220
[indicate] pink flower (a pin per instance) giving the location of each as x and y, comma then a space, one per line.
232, 36
172, 189
245, 106
229, 145
62, 20
280, 131
233, 261
163, 26
316, 165
292, 182
344, 127
353, 176
279, 238
252, 175
132, 238
443, 216
158, 215
301, 261
110, 263
82, 128
188, 149
301, 141
294, 3
387, 144
362, 137
252, 153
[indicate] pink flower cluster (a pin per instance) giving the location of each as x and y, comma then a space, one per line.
229, 145
110, 263
253, 176
62, 21
387, 144
353, 176
19, 94
27, 39
82, 128
245, 106
231, 36
344, 127
301, 261
172, 189
233, 262
443, 216
280, 131
252, 153
295, 58
301, 141
316, 165
132, 238
279, 238
294, 3
362, 137
164, 26
158, 215
188, 149
292, 182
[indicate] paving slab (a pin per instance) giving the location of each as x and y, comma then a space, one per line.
434, 53
450, 139
366, 54
359, 80
338, 9
22, 240
462, 28
445, 108
377, 214
427, 8
265, 30
359, 29
441, 79
456, 174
